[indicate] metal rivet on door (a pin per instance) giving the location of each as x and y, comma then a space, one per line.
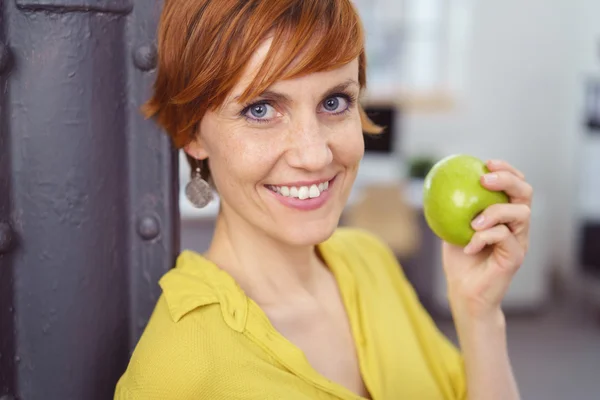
6, 239
148, 227
144, 57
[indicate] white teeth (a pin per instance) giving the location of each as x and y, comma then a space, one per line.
303, 193
314, 192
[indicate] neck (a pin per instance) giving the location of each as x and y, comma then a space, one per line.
264, 267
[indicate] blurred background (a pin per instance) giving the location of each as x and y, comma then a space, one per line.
92, 212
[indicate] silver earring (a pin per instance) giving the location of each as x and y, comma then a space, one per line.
198, 191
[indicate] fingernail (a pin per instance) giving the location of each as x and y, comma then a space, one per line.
478, 222
490, 178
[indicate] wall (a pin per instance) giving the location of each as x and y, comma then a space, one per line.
584, 149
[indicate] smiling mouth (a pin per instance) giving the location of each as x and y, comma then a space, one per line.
302, 192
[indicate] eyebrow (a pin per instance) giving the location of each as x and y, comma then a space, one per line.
341, 87
284, 99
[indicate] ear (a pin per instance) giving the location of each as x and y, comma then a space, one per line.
196, 149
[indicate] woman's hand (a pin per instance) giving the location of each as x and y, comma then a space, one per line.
479, 274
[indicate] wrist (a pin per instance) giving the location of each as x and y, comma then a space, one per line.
492, 323
473, 313
480, 331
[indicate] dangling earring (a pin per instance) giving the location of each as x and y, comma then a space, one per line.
198, 191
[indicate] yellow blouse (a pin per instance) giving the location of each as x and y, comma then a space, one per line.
207, 340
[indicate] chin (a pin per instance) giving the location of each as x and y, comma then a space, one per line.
309, 233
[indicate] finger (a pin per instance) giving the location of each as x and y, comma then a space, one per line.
487, 237
517, 189
513, 215
499, 165
506, 259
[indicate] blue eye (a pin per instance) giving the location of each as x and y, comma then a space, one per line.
332, 104
260, 112
336, 104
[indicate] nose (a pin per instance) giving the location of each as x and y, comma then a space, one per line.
310, 147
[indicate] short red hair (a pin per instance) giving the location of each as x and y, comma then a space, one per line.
205, 45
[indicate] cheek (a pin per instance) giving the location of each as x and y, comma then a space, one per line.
347, 143
239, 159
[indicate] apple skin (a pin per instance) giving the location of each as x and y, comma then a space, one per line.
453, 196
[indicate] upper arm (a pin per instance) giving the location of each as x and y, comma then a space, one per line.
157, 379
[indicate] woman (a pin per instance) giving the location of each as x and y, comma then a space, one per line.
262, 95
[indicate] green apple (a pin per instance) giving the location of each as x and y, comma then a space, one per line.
453, 196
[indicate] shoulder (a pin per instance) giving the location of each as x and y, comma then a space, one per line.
356, 239
368, 258
172, 360
375, 268
363, 247
186, 344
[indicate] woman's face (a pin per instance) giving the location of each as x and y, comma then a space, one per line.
284, 163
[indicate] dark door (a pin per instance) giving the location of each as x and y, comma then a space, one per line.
88, 194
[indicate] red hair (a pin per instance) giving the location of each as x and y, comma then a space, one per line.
205, 45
